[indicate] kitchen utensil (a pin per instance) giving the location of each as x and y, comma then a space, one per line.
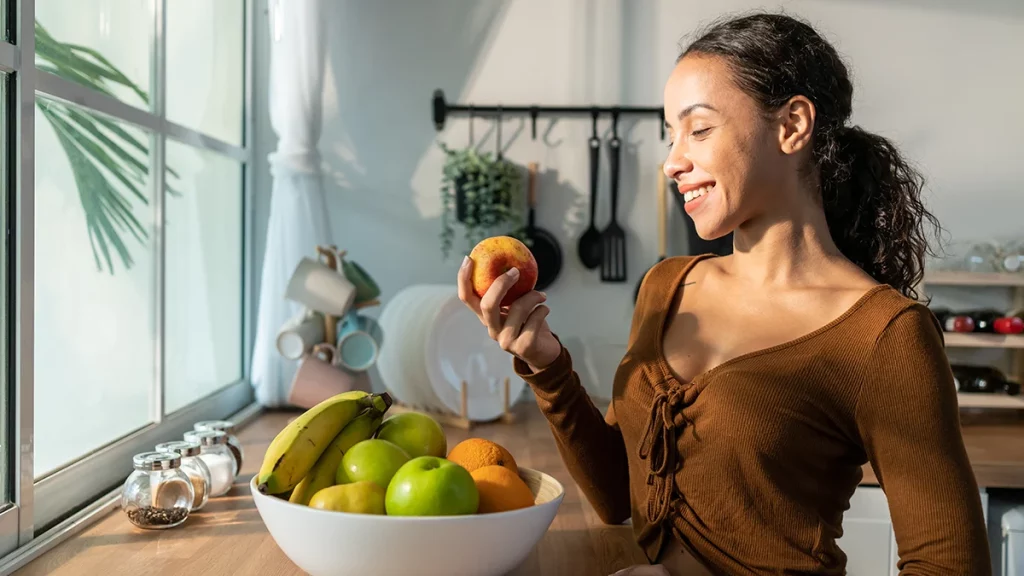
328, 543
320, 287
300, 334
662, 213
694, 243
458, 350
613, 238
589, 247
359, 342
318, 379
543, 244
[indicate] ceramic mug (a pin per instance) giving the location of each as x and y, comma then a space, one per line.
359, 342
298, 336
321, 288
318, 379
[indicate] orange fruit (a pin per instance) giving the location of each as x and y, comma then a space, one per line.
500, 489
473, 453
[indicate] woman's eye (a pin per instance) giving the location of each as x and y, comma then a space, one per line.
671, 144
699, 133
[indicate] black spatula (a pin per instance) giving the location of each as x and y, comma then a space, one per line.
613, 239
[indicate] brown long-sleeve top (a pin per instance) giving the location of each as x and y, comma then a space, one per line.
752, 463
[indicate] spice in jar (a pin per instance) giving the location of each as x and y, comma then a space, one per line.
227, 427
193, 466
151, 516
157, 494
215, 454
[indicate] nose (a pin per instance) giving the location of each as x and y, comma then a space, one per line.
677, 164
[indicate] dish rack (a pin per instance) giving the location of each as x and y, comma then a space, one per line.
460, 420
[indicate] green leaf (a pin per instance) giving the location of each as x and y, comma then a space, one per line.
101, 157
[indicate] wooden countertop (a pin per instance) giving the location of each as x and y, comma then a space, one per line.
228, 536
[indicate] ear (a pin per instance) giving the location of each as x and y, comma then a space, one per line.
796, 124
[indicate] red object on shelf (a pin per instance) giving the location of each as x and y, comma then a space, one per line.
1011, 325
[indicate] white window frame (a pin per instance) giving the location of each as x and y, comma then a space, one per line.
46, 510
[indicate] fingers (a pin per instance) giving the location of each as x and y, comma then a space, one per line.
533, 327
466, 293
490, 304
518, 312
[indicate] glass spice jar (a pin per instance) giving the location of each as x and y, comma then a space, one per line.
227, 427
214, 452
197, 471
157, 494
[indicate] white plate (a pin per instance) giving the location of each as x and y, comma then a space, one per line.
458, 348
405, 321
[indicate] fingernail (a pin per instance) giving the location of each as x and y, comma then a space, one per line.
513, 273
465, 262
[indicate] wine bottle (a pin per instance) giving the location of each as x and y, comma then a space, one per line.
991, 321
951, 322
982, 379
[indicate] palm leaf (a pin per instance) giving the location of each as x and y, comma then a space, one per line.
108, 172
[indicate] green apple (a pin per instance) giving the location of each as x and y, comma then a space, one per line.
431, 486
363, 497
374, 460
417, 433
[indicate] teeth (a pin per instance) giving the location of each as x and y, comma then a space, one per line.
692, 194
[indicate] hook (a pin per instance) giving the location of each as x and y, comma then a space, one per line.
615, 122
661, 115
593, 123
499, 132
534, 111
471, 139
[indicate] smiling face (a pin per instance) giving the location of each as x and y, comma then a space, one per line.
731, 162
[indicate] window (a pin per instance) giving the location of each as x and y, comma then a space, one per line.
124, 169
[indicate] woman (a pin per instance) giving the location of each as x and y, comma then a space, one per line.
756, 385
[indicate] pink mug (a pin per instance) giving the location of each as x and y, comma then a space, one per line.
318, 378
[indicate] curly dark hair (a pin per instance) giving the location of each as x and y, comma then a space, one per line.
870, 194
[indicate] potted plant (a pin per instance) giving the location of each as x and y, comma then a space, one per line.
482, 193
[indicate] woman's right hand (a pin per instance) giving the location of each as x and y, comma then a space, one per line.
521, 329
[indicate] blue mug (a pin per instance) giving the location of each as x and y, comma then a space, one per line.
359, 342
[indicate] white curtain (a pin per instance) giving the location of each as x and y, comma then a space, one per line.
298, 208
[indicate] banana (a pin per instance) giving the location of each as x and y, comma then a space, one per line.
297, 447
321, 475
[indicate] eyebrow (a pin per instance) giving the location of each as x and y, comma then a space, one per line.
689, 110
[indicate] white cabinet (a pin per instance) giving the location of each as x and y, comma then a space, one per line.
868, 539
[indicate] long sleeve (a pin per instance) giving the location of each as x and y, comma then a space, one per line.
590, 444
908, 418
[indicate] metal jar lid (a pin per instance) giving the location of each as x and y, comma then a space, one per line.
207, 437
226, 426
157, 461
183, 447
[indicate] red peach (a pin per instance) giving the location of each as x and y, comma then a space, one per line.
495, 256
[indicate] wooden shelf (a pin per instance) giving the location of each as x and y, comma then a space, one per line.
953, 278
968, 340
984, 400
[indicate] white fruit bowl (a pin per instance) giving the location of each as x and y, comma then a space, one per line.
326, 543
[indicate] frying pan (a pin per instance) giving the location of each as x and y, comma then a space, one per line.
545, 248
662, 213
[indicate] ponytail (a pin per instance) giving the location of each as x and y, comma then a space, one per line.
872, 202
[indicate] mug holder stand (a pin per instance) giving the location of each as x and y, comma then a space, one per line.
460, 420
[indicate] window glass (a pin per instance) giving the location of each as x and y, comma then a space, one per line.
203, 274
94, 283
206, 66
105, 45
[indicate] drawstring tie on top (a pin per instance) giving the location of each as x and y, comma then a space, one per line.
658, 447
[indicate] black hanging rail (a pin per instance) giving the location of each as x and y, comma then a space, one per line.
443, 109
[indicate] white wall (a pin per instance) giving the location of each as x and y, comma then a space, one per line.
941, 79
